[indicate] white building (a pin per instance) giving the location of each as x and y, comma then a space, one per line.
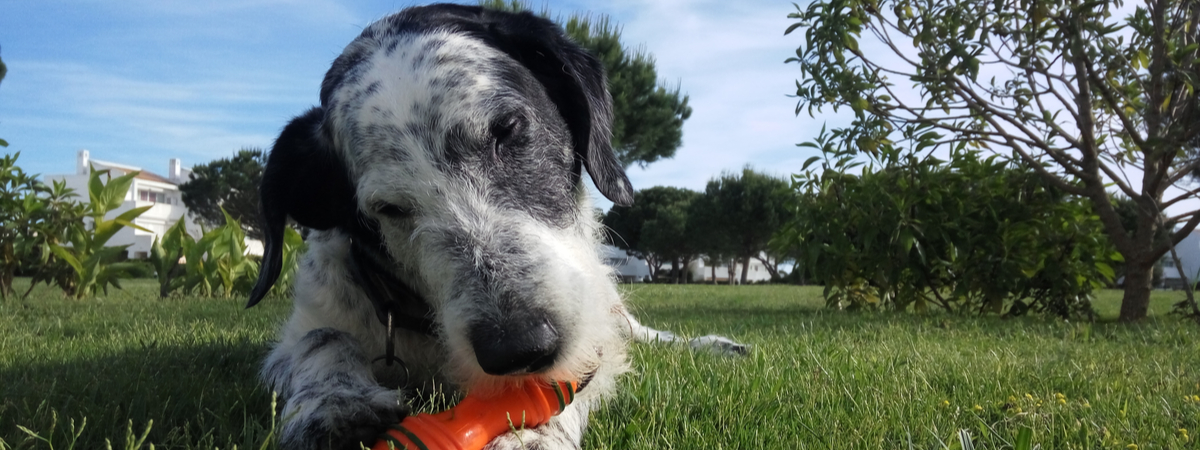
1189, 254
627, 268
148, 189
702, 273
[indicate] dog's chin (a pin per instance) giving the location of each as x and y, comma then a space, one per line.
486, 384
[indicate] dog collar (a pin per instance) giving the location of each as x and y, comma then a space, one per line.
396, 304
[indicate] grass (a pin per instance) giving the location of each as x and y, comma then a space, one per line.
816, 379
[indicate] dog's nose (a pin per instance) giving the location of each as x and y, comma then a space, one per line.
514, 346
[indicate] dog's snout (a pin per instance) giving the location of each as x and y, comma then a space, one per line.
515, 346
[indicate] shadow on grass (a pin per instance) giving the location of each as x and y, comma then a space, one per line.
203, 395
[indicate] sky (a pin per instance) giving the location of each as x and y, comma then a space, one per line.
142, 81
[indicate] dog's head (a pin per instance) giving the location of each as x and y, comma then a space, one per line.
456, 137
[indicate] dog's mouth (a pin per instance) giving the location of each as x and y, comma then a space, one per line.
585, 380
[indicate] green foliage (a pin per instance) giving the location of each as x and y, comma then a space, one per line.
217, 264
647, 115
968, 234
34, 217
1061, 85
95, 265
18, 201
654, 228
739, 214
736, 216
165, 253
227, 186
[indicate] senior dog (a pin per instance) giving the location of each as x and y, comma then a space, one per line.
454, 243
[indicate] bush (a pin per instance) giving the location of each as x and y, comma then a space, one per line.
967, 234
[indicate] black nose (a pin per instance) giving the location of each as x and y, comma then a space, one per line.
515, 345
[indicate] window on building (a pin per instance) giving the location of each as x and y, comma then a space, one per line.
1168, 262
156, 197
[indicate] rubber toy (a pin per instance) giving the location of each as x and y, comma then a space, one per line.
475, 421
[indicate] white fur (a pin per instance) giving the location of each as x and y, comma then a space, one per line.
390, 123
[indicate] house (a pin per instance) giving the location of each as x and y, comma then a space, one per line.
627, 268
699, 272
1189, 254
148, 189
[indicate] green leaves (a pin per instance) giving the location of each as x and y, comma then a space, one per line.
227, 187
217, 263
33, 218
966, 234
95, 266
1072, 89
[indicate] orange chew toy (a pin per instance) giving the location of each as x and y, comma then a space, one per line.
474, 422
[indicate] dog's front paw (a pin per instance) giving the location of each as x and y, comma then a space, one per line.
342, 422
531, 440
565, 432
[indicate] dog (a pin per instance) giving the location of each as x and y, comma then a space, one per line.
453, 243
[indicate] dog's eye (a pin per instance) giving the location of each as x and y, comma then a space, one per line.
392, 211
507, 129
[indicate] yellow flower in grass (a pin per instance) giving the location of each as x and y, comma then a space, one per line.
1131, 447
1086, 404
1196, 398
977, 408
945, 403
1030, 397
1182, 432
1062, 401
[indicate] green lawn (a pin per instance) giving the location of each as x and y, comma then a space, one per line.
815, 379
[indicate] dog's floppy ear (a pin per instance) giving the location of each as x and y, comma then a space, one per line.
575, 82
305, 180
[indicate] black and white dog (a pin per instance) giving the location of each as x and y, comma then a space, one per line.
454, 242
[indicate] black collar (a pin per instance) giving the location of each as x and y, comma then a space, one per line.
368, 264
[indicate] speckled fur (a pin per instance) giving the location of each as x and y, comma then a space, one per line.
411, 114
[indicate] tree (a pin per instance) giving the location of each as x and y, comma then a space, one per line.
647, 115
747, 209
1079, 97
654, 228
230, 184
705, 226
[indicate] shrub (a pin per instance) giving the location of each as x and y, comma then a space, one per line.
94, 265
967, 234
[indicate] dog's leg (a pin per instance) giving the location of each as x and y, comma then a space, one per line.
332, 400
713, 343
564, 432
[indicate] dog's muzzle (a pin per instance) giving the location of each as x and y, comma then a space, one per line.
525, 344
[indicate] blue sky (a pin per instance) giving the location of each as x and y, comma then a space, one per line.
142, 81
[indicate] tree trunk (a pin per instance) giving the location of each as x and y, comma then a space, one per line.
731, 271
714, 274
745, 268
675, 270
1136, 303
